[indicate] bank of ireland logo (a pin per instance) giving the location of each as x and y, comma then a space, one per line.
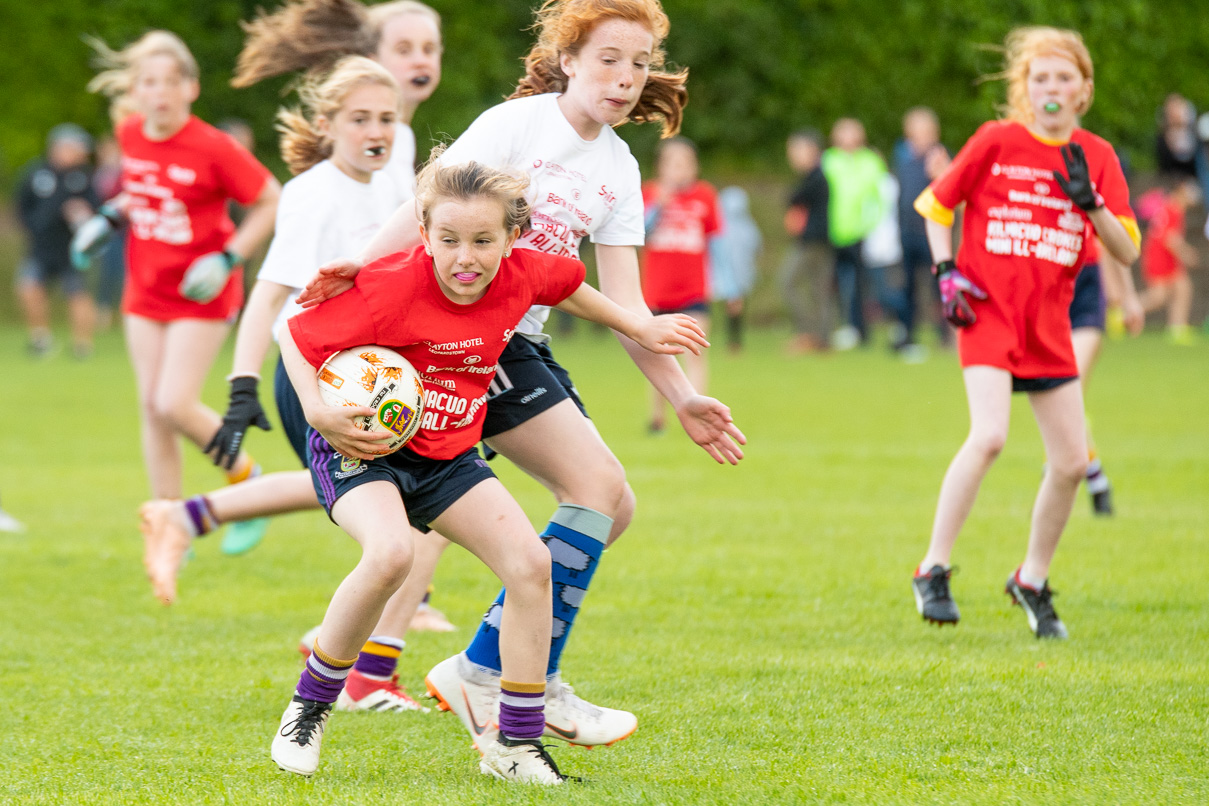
348, 464
395, 416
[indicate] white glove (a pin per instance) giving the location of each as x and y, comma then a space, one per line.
207, 276
92, 236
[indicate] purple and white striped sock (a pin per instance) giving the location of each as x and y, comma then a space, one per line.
522, 710
323, 678
199, 516
379, 657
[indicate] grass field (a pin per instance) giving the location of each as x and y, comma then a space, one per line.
758, 619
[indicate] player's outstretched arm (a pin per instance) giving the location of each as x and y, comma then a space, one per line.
706, 420
669, 334
334, 423
400, 233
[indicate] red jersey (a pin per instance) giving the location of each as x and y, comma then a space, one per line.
178, 190
674, 271
397, 302
1023, 242
1158, 261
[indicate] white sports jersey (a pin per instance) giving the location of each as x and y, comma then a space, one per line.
401, 167
579, 187
323, 214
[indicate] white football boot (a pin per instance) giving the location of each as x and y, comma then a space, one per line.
523, 760
471, 693
573, 719
296, 744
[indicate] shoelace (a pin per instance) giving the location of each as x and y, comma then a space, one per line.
308, 722
1045, 604
938, 584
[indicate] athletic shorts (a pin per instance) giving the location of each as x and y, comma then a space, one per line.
428, 486
1088, 304
39, 272
289, 409
692, 309
528, 382
1040, 384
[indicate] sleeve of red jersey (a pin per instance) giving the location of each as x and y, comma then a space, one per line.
1115, 191
555, 278
940, 199
240, 174
713, 220
336, 324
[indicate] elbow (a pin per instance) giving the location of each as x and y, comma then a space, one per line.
1127, 252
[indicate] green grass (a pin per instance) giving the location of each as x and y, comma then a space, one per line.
757, 619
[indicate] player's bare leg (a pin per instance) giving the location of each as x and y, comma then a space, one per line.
1087, 342
145, 341
1059, 414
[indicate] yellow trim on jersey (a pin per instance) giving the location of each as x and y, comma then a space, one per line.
523, 688
1049, 141
928, 206
1131, 226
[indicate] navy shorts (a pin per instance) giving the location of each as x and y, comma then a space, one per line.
527, 382
1040, 384
1087, 306
428, 486
38, 272
289, 409
692, 309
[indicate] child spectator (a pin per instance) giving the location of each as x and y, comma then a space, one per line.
1166, 256
732, 260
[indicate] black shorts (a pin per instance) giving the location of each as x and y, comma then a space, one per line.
428, 486
1040, 384
693, 308
527, 382
46, 273
1088, 304
289, 409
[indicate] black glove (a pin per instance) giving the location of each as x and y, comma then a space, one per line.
1077, 184
243, 412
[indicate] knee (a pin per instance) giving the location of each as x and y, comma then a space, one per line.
529, 567
602, 487
624, 514
389, 562
1070, 469
168, 408
988, 444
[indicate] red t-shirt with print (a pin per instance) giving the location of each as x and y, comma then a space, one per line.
397, 302
1023, 242
178, 190
1159, 263
674, 271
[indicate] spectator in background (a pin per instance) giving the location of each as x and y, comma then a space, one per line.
111, 261
53, 198
1166, 256
732, 260
918, 159
1178, 146
681, 214
808, 274
881, 253
854, 174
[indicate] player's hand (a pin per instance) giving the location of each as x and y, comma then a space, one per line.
337, 425
92, 236
708, 423
671, 334
1077, 183
333, 278
243, 412
954, 286
207, 276
1133, 314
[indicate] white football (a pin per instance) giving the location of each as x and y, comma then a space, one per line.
380, 379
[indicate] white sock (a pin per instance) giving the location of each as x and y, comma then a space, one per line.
1030, 581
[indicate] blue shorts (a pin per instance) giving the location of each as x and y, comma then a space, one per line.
33, 271
692, 309
527, 382
428, 486
289, 409
1088, 304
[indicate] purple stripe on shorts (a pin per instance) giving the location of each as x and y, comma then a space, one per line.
319, 463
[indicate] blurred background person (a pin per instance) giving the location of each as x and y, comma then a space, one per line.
919, 158
1178, 148
54, 197
111, 260
1166, 257
807, 276
680, 215
882, 254
732, 260
854, 174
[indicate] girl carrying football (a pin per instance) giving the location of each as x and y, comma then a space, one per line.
465, 289
1035, 186
184, 286
337, 146
596, 65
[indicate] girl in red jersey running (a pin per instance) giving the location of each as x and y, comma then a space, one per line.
1034, 187
464, 289
185, 284
596, 65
